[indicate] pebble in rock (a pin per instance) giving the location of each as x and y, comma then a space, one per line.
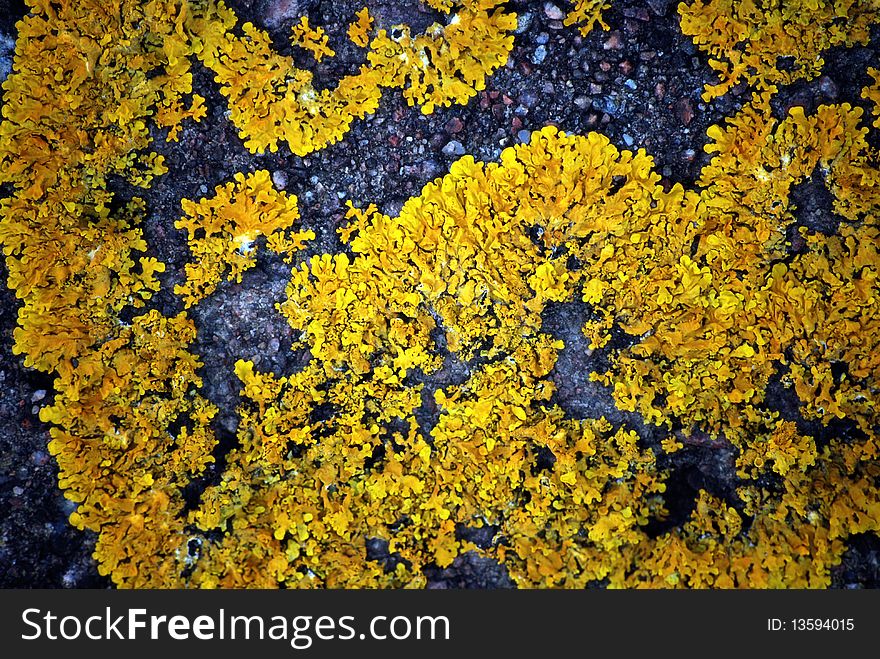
454, 125
523, 21
827, 87
539, 55
553, 12
524, 136
279, 178
528, 99
606, 104
613, 42
453, 148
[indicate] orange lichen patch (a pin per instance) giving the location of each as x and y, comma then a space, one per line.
73, 262
223, 232
711, 311
312, 39
746, 41
353, 314
795, 536
473, 470
121, 388
172, 115
276, 102
781, 450
838, 279
119, 454
354, 448
586, 14
304, 493
872, 93
567, 522
714, 550
360, 29
447, 64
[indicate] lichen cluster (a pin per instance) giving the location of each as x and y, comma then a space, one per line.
773, 42
586, 14
129, 427
223, 232
271, 101
872, 93
716, 291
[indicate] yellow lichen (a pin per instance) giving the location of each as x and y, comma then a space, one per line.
746, 41
73, 262
359, 30
312, 39
426, 406
586, 14
446, 64
223, 231
276, 102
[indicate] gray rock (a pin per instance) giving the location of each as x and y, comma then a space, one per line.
279, 179
659, 7
7, 48
278, 12
529, 99
453, 148
553, 12
431, 168
828, 87
523, 21
539, 55
606, 104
